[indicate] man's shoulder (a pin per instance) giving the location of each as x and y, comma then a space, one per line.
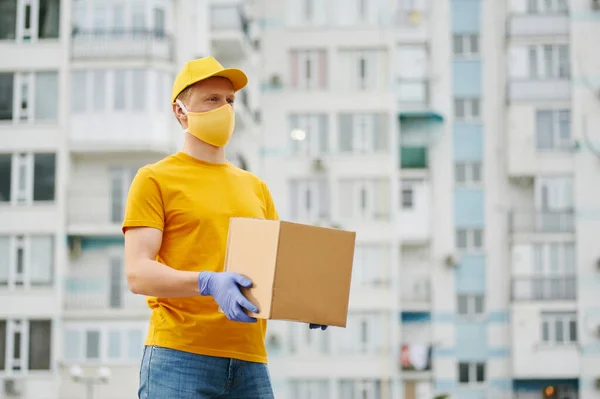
246, 175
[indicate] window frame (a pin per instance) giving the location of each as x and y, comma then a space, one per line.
470, 301
467, 109
462, 45
558, 116
316, 128
470, 235
22, 184
469, 168
472, 373
20, 366
566, 319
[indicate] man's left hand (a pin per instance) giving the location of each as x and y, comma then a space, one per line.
315, 326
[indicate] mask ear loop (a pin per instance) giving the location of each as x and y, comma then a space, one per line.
184, 110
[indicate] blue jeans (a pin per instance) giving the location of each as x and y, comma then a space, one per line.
171, 374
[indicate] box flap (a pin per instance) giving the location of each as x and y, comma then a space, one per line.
313, 274
252, 251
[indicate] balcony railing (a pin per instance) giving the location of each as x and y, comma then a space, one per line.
229, 17
416, 289
542, 221
544, 288
528, 25
93, 294
121, 44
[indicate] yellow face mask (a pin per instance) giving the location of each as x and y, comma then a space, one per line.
214, 127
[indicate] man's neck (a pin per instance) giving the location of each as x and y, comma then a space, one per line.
203, 151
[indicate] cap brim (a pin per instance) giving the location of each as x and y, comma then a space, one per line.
237, 77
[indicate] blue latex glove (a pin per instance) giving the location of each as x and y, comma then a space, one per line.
315, 326
223, 287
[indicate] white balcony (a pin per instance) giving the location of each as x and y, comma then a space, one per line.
415, 291
94, 297
539, 90
527, 155
229, 31
120, 45
544, 288
539, 222
106, 218
532, 357
412, 94
122, 132
414, 218
532, 25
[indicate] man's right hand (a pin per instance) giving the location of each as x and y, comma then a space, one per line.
223, 287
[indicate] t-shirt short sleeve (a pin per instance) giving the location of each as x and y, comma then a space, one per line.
145, 207
270, 206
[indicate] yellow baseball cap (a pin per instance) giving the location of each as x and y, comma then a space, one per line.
203, 68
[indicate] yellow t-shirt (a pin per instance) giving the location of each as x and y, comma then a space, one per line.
191, 202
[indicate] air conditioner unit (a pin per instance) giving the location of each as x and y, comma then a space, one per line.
451, 260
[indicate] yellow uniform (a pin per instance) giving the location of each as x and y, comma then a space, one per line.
191, 202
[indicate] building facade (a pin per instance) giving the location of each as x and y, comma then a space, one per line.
84, 98
458, 138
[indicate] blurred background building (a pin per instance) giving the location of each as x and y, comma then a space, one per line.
459, 138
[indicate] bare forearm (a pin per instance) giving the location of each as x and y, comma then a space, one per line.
151, 278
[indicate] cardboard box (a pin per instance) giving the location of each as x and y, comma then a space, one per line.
300, 272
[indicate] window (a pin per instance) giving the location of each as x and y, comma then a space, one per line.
549, 61
363, 133
27, 178
310, 199
104, 343
121, 179
367, 199
309, 69
411, 70
303, 341
559, 328
547, 6
309, 389
467, 173
26, 261
364, 389
18, 21
15, 347
466, 45
553, 130
471, 373
363, 69
407, 195
371, 266
467, 109
470, 305
469, 240
309, 134
554, 271
365, 334
28, 97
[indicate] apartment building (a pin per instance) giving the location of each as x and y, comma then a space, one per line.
84, 102
354, 101
459, 140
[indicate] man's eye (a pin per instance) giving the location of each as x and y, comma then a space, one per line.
213, 99
230, 101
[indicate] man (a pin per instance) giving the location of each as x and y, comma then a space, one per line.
175, 227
